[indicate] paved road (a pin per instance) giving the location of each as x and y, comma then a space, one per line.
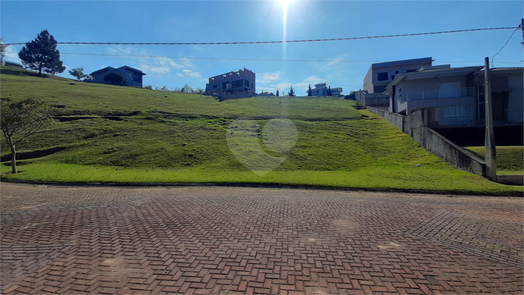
215, 240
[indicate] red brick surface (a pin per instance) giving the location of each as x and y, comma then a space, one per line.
218, 240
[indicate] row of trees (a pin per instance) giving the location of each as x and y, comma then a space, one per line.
185, 89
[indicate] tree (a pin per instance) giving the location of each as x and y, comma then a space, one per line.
329, 91
291, 92
115, 79
277, 93
21, 120
3, 49
309, 92
41, 54
187, 89
78, 73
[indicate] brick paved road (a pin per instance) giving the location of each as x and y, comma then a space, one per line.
247, 240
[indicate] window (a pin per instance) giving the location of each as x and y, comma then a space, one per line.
392, 77
412, 70
246, 83
458, 113
396, 72
215, 86
382, 76
237, 83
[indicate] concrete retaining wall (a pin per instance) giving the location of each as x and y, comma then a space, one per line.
413, 125
511, 179
395, 119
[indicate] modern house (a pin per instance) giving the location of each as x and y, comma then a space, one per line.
241, 84
265, 93
455, 96
321, 89
131, 76
380, 75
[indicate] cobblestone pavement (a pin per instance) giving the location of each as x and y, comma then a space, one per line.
218, 240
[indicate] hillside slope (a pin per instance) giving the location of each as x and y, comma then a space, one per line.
108, 133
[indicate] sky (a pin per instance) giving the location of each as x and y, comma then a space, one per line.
277, 66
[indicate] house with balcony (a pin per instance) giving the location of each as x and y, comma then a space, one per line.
233, 84
454, 97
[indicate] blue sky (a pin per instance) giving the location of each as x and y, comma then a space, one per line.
225, 21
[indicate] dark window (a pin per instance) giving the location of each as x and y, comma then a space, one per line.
392, 77
382, 76
246, 83
224, 85
237, 83
215, 86
379, 89
410, 71
396, 72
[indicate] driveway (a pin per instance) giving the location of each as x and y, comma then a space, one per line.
212, 240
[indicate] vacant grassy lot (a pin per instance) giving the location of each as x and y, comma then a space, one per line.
510, 159
121, 134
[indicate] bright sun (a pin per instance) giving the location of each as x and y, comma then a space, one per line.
284, 3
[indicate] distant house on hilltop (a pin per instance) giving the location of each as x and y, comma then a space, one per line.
321, 89
131, 76
233, 84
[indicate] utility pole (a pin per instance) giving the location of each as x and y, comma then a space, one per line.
491, 154
522, 28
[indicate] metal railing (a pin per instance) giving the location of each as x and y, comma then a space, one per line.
439, 93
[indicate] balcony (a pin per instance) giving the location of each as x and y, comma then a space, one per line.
439, 93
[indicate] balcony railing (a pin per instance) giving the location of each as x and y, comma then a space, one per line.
439, 93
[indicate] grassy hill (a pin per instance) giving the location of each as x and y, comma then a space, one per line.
510, 159
108, 133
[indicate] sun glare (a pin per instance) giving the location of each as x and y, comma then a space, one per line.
284, 3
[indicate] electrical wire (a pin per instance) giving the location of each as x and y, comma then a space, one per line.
277, 42
248, 59
493, 57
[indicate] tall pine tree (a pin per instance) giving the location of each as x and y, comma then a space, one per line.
309, 91
41, 54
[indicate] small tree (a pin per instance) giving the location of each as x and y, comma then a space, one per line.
291, 92
41, 54
277, 93
329, 91
21, 120
78, 73
3, 49
309, 91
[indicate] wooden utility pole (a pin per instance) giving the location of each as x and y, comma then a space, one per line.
491, 155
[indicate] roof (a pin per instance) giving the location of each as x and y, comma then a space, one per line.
103, 70
402, 62
432, 74
114, 69
132, 69
517, 70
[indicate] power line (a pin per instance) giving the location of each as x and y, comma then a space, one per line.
493, 57
277, 42
249, 59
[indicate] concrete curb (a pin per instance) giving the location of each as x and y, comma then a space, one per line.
258, 185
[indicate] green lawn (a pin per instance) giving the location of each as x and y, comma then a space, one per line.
510, 159
123, 134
